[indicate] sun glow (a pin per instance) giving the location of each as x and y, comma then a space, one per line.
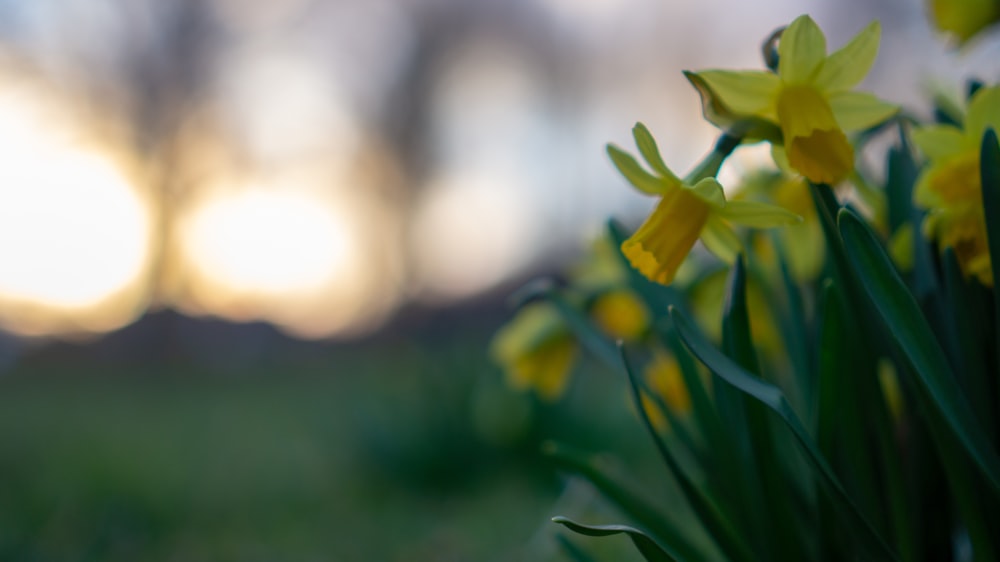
284, 253
268, 242
74, 233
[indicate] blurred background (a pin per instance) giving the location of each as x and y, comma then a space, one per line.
252, 253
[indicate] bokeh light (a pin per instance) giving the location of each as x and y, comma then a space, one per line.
469, 234
289, 250
269, 242
74, 232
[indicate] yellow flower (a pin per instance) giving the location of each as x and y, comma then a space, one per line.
950, 188
536, 350
810, 98
621, 314
684, 214
963, 18
664, 378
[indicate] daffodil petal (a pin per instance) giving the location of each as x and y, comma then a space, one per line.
720, 239
860, 110
758, 215
749, 92
780, 158
651, 153
849, 65
710, 191
638, 177
984, 112
939, 141
801, 49
924, 196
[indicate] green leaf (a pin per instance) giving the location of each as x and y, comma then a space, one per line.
707, 508
651, 551
910, 330
834, 355
966, 328
796, 333
964, 484
847, 378
772, 397
989, 163
766, 480
572, 550
675, 537
901, 174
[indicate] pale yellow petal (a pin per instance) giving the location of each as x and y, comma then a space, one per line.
801, 49
780, 157
849, 65
710, 191
940, 141
651, 153
720, 239
637, 176
984, 112
758, 215
743, 92
855, 111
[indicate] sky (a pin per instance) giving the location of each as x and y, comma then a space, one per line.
318, 164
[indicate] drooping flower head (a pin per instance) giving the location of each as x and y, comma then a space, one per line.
963, 18
603, 278
536, 350
810, 98
950, 188
688, 210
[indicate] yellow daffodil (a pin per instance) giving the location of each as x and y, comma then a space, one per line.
688, 210
621, 314
603, 278
663, 377
536, 350
810, 98
963, 18
950, 188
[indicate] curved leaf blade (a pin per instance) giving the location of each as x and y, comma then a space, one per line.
649, 549
910, 330
674, 535
772, 397
707, 508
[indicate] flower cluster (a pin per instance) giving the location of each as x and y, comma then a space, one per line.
854, 376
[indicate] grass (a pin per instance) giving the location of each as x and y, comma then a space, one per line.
383, 455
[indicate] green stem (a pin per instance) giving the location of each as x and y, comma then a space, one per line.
709, 166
